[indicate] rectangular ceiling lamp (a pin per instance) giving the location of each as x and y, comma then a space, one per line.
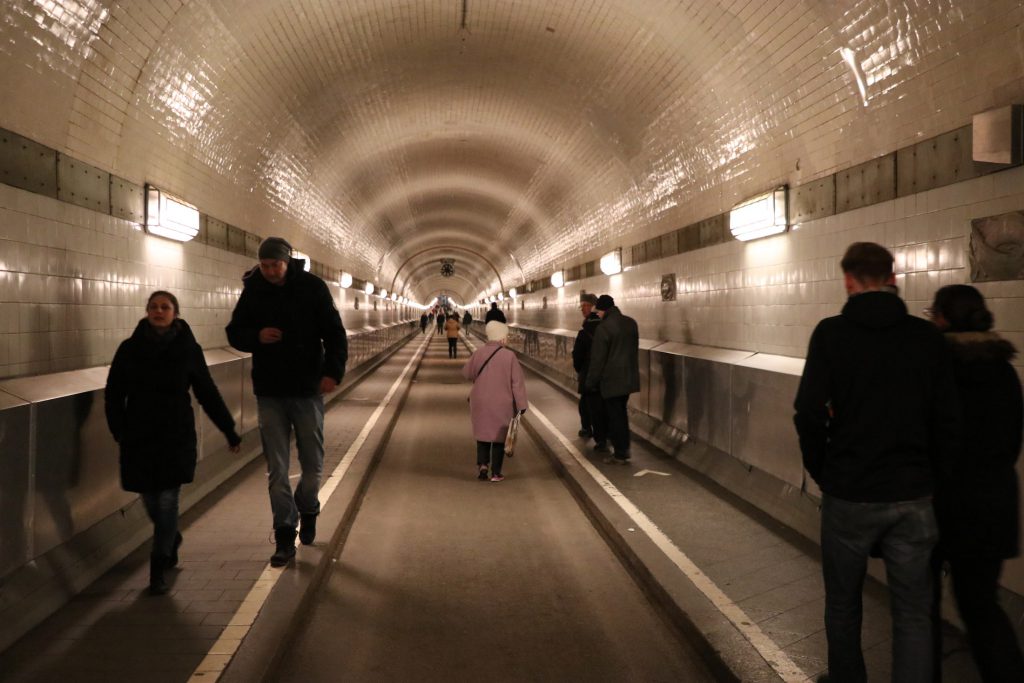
611, 263
169, 217
760, 216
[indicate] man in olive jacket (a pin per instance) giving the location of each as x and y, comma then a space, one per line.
287, 319
877, 416
615, 371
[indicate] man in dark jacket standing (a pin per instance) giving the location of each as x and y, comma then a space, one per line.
495, 313
876, 414
615, 371
592, 419
287, 319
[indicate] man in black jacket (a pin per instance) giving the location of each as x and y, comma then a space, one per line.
495, 313
615, 372
876, 415
287, 319
592, 418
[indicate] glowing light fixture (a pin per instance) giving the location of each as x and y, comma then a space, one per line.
383, 294
346, 280
169, 217
513, 293
611, 263
394, 297
558, 279
369, 288
501, 296
760, 216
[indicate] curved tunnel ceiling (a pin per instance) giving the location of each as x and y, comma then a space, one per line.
544, 130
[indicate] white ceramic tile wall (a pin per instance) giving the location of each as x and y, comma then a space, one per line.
551, 130
768, 295
73, 284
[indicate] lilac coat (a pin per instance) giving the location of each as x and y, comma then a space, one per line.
490, 401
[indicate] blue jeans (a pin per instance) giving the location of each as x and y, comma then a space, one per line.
278, 415
906, 533
162, 508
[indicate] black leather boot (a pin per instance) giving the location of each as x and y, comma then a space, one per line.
173, 559
157, 565
284, 537
307, 530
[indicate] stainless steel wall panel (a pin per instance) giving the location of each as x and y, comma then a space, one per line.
15, 483
127, 200
236, 239
865, 184
935, 162
82, 184
216, 233
77, 476
813, 200
27, 164
707, 388
762, 423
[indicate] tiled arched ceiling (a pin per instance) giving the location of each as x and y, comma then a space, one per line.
544, 130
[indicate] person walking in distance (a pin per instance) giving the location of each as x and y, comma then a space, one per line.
495, 313
591, 406
287, 319
876, 416
423, 324
451, 332
614, 372
977, 502
149, 413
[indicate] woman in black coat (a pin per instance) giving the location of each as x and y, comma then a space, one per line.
977, 500
149, 412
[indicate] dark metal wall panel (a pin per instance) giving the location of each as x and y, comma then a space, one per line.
127, 200
670, 244
865, 184
216, 233
762, 423
27, 164
15, 483
936, 162
236, 239
812, 200
81, 184
252, 244
713, 230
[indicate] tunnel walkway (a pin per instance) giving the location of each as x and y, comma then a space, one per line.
444, 576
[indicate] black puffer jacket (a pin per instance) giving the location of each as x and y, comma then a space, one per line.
978, 503
876, 411
581, 349
149, 409
313, 344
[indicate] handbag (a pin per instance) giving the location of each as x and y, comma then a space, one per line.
513, 432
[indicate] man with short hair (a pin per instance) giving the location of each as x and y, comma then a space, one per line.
287, 319
592, 418
876, 415
495, 313
614, 372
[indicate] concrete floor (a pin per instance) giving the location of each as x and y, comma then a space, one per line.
445, 577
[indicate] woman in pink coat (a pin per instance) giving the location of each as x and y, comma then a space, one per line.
499, 390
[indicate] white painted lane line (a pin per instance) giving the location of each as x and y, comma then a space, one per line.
765, 646
216, 660
643, 472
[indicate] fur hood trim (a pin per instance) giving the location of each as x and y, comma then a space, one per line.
980, 346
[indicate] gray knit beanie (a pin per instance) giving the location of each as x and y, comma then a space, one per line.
276, 248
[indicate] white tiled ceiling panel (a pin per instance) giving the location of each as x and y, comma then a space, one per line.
512, 136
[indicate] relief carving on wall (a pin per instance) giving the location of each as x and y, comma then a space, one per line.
997, 247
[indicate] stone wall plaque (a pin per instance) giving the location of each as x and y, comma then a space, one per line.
668, 287
997, 247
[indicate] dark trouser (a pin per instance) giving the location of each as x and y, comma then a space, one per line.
423, 328
492, 454
618, 424
162, 508
992, 639
593, 416
906, 533
453, 349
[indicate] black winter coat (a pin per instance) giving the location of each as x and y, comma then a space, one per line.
978, 503
581, 349
614, 356
876, 411
313, 344
149, 409
495, 313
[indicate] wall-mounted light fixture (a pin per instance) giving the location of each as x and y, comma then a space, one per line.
169, 217
759, 216
611, 263
501, 296
346, 280
558, 279
369, 288
383, 293
513, 293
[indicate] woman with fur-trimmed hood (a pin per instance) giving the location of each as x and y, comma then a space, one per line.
977, 502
